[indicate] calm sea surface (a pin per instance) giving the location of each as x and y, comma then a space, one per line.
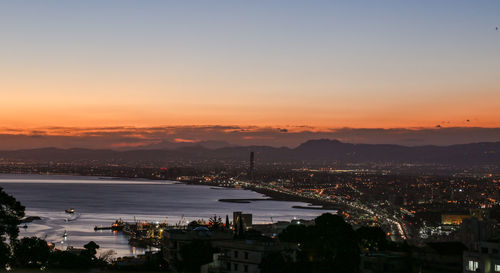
101, 201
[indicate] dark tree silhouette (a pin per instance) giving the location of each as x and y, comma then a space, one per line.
193, 224
195, 254
90, 249
330, 245
215, 222
273, 262
335, 244
31, 252
67, 260
294, 234
371, 238
11, 212
4, 255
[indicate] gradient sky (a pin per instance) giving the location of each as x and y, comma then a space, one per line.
325, 64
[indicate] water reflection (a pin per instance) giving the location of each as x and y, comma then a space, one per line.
101, 202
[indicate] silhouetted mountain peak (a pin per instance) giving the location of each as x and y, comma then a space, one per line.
320, 142
320, 145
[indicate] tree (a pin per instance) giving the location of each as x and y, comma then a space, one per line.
67, 260
273, 262
11, 212
193, 224
215, 223
4, 255
294, 234
331, 244
107, 256
90, 250
335, 244
194, 255
31, 252
371, 238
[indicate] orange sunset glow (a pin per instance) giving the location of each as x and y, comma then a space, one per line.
331, 110
117, 66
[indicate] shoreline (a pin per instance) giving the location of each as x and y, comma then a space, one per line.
273, 195
267, 195
270, 194
288, 197
243, 200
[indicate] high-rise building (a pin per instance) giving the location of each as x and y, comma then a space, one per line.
250, 169
245, 218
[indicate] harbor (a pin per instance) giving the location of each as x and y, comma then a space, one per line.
173, 203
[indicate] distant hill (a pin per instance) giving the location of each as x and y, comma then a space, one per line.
167, 145
321, 150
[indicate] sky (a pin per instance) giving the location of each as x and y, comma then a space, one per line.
317, 65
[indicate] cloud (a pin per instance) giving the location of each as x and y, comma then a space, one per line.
129, 144
291, 136
183, 140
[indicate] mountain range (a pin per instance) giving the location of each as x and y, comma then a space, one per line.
320, 150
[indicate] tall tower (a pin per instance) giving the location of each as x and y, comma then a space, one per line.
250, 169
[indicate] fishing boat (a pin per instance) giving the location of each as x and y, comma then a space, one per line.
71, 210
